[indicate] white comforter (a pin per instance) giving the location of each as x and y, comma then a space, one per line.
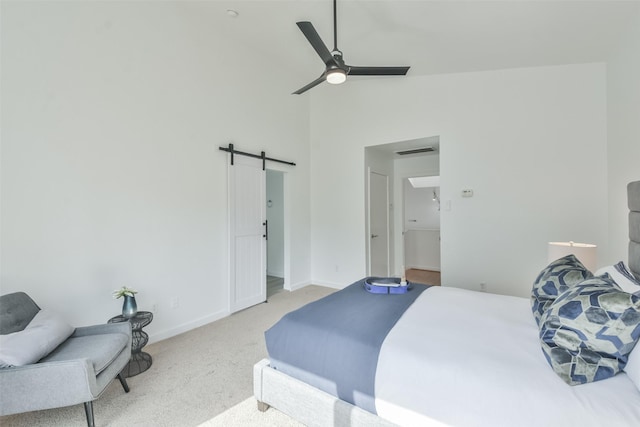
466, 358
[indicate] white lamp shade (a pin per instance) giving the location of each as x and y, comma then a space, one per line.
585, 252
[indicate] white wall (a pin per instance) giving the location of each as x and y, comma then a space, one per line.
420, 208
422, 249
623, 134
112, 115
530, 142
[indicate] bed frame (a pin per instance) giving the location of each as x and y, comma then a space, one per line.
314, 407
305, 403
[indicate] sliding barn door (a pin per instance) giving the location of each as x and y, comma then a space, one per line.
248, 246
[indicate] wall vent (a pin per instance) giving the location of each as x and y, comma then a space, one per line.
416, 151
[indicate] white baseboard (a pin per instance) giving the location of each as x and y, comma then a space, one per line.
330, 284
423, 267
299, 285
185, 327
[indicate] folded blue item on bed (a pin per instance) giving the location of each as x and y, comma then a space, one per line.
386, 285
334, 343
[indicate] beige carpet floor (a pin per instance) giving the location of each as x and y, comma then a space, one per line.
195, 377
246, 414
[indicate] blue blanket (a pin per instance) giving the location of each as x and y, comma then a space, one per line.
333, 343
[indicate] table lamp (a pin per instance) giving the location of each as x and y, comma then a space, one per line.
585, 252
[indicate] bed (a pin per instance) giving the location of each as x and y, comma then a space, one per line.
439, 356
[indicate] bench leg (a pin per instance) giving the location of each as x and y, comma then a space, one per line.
123, 381
88, 409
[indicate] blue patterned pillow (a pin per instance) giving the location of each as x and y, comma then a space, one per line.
556, 278
589, 330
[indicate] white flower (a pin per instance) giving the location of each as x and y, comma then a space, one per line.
124, 291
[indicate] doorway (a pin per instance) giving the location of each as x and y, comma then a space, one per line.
253, 222
421, 229
275, 231
397, 161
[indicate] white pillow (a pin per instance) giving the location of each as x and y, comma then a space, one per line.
621, 275
46, 331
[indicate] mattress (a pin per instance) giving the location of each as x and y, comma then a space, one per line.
464, 358
474, 359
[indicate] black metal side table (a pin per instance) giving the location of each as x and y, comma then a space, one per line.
140, 361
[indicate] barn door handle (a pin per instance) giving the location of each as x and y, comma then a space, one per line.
266, 230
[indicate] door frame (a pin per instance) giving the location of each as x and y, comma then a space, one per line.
286, 196
287, 230
400, 251
287, 222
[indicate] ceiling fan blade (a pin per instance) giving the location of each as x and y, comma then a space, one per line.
312, 35
314, 83
377, 71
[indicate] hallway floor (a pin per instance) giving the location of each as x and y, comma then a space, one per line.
423, 276
274, 285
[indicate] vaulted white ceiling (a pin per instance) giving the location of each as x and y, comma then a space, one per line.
433, 37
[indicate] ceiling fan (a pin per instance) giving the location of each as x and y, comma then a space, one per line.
336, 71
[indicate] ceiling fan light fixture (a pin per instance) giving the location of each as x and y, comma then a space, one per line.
336, 76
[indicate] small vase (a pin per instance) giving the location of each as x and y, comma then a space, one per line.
129, 307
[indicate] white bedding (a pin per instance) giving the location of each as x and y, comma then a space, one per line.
478, 362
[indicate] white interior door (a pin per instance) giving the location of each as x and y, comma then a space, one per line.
378, 224
248, 246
